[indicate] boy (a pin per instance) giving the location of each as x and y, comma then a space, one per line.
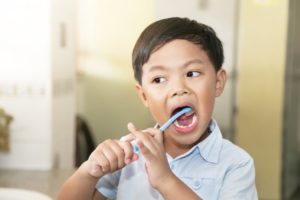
177, 63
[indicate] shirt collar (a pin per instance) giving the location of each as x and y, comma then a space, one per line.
210, 148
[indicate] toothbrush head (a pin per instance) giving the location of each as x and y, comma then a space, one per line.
174, 117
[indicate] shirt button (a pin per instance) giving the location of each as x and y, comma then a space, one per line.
197, 184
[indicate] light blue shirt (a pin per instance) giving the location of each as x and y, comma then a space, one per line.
214, 169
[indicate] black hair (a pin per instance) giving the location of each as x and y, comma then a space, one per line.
163, 31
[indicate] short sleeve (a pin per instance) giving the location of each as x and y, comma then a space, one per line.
239, 182
108, 184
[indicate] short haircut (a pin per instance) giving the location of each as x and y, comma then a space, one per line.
163, 31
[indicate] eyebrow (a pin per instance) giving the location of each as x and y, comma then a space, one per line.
161, 67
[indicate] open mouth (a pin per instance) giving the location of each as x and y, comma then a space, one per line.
186, 122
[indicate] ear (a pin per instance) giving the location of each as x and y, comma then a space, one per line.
221, 81
142, 94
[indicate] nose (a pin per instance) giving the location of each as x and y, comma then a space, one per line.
179, 92
179, 89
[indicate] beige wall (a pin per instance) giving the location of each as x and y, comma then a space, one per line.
106, 92
109, 28
261, 62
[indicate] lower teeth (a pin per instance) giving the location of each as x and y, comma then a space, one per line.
180, 126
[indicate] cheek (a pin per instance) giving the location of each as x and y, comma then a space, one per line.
206, 89
206, 95
154, 94
155, 104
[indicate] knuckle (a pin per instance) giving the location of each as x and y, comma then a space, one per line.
128, 147
148, 132
113, 158
108, 141
92, 155
121, 165
121, 153
105, 168
142, 134
102, 145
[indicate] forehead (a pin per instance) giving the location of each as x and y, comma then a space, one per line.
176, 53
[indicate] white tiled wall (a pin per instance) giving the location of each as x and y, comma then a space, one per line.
37, 82
30, 130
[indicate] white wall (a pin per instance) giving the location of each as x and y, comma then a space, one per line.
63, 79
28, 68
25, 81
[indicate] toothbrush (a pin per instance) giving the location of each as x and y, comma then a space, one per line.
166, 125
174, 117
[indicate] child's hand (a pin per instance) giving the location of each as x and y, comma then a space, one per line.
150, 144
110, 156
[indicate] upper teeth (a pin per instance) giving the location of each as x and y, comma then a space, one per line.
189, 113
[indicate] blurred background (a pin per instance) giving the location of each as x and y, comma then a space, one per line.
66, 84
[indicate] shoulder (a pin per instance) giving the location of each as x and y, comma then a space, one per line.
238, 181
226, 151
234, 154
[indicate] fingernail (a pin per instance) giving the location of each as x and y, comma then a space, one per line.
135, 157
130, 125
123, 138
127, 160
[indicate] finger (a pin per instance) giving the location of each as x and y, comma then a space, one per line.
111, 157
128, 137
143, 149
157, 135
148, 141
149, 131
98, 159
118, 152
146, 136
132, 128
127, 147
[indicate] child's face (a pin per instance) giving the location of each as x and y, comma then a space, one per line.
176, 75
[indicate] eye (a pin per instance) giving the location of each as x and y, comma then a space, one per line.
193, 74
159, 80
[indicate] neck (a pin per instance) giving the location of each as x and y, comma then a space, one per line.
175, 149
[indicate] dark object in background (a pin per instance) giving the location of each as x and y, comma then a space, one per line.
5, 120
85, 143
